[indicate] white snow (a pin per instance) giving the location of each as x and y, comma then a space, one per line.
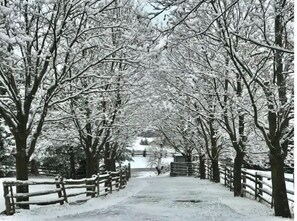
5, 10
136, 144
158, 198
139, 162
142, 162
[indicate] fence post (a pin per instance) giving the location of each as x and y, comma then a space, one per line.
106, 184
94, 187
243, 184
110, 182
7, 199
117, 184
129, 171
12, 201
256, 185
208, 168
58, 186
260, 187
121, 179
63, 189
98, 184
230, 178
125, 177
225, 175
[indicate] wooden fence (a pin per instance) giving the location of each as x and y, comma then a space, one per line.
183, 169
60, 190
254, 185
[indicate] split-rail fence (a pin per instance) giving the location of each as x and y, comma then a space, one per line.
255, 184
60, 189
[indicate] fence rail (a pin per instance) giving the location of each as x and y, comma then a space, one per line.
183, 169
60, 190
256, 185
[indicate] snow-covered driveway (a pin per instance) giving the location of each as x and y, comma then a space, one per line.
159, 198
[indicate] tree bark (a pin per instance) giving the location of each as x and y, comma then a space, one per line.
109, 160
72, 163
279, 191
237, 173
90, 164
215, 170
34, 167
90, 170
202, 166
22, 172
110, 164
188, 158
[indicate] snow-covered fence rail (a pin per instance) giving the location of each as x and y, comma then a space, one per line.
256, 184
13, 199
259, 186
60, 190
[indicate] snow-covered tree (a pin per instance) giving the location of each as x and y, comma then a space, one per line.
41, 44
247, 47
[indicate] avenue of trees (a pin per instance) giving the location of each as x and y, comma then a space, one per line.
215, 78
69, 73
226, 71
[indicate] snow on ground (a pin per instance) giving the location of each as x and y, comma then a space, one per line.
136, 144
139, 162
160, 198
289, 185
35, 188
143, 162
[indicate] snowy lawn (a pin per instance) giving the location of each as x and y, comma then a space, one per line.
142, 162
136, 144
158, 198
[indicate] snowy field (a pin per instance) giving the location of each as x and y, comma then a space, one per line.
136, 144
159, 198
143, 162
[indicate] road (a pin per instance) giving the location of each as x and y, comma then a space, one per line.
158, 198
178, 199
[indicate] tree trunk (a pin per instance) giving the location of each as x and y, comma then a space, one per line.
22, 172
188, 159
90, 165
90, 170
237, 173
34, 167
202, 166
279, 191
110, 164
72, 164
109, 161
215, 170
